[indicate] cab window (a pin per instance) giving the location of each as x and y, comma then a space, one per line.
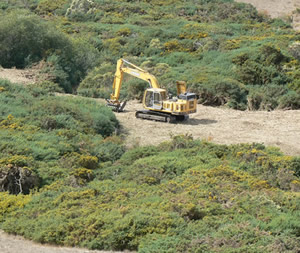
157, 99
148, 99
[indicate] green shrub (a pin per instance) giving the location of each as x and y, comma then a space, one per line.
34, 39
194, 196
88, 162
269, 97
132, 155
290, 101
11, 202
48, 7
109, 151
98, 82
226, 92
58, 133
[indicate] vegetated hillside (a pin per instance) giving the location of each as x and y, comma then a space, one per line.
78, 189
43, 137
227, 52
66, 179
63, 183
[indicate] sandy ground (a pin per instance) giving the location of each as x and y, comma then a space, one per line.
16, 244
18, 75
220, 125
278, 8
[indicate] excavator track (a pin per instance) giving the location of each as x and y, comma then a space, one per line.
157, 116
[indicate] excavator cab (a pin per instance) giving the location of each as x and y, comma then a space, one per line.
154, 97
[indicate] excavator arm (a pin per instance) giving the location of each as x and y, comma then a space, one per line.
124, 66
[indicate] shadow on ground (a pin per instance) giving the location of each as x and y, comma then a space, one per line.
200, 122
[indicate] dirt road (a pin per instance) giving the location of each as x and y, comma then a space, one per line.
220, 125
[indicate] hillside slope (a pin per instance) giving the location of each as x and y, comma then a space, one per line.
182, 195
227, 52
279, 128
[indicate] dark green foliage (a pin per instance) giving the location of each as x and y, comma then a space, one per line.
262, 67
196, 197
225, 92
98, 82
26, 39
132, 155
60, 134
221, 48
290, 100
109, 151
266, 97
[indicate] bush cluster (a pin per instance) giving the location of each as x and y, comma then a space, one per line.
45, 137
26, 39
183, 195
228, 53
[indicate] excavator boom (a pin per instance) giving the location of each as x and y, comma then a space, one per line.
133, 70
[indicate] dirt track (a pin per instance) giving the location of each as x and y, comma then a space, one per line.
16, 244
220, 125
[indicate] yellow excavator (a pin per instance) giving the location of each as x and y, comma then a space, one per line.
155, 102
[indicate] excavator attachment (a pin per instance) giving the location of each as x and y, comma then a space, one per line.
116, 106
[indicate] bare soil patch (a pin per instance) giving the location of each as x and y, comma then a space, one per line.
286, 9
13, 244
277, 128
18, 75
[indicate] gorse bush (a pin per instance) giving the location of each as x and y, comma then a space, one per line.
184, 195
39, 132
25, 39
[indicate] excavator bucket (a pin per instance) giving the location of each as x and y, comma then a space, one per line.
116, 105
181, 87
122, 106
